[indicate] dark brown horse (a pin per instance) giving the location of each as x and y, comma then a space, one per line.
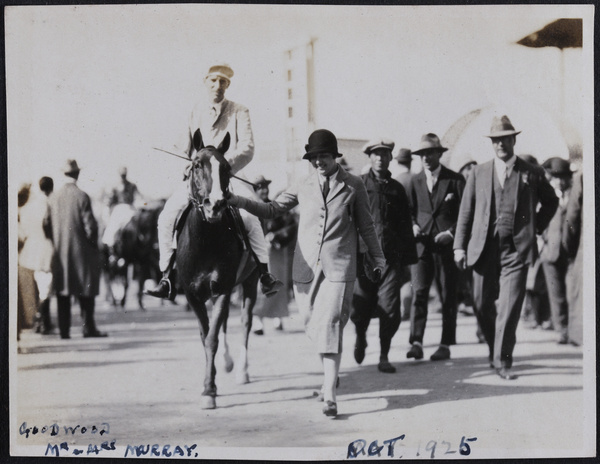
136, 245
211, 261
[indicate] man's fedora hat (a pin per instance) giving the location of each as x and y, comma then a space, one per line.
321, 141
557, 167
221, 70
379, 142
260, 181
429, 142
71, 167
404, 155
502, 127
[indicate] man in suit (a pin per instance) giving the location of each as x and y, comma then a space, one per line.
334, 210
75, 237
391, 215
496, 235
572, 242
553, 256
435, 198
400, 167
209, 123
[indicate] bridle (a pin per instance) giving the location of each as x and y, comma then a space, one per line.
198, 202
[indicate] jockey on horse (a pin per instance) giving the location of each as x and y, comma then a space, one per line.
214, 119
121, 202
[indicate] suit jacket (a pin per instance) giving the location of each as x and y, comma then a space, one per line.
438, 211
328, 229
391, 215
572, 225
553, 248
405, 178
475, 216
233, 118
75, 237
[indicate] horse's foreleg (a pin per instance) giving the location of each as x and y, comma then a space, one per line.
248, 301
226, 355
220, 309
207, 400
141, 274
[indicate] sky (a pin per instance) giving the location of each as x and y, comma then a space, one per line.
104, 84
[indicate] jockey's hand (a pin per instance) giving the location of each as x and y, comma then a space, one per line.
232, 200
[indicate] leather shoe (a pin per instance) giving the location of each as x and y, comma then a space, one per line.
504, 373
359, 348
415, 352
441, 354
385, 366
563, 340
269, 285
95, 334
164, 289
330, 409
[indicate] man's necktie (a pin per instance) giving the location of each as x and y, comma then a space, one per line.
326, 188
213, 114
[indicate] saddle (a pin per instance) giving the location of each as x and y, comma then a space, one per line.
239, 229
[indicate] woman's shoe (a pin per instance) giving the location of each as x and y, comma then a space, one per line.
330, 409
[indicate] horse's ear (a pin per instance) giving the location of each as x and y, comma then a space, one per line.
224, 146
197, 140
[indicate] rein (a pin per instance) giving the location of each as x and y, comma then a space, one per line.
192, 196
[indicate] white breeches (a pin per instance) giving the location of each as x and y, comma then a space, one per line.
166, 223
120, 216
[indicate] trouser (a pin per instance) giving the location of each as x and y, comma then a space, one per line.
86, 303
556, 283
439, 266
381, 300
166, 223
499, 275
43, 317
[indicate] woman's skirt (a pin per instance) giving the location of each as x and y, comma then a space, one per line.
325, 306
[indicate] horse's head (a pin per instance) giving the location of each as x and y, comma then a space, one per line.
201, 178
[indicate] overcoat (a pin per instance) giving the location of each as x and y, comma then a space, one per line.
75, 236
391, 213
474, 216
328, 229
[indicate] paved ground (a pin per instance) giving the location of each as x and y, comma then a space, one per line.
142, 384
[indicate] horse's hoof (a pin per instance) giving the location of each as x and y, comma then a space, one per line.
242, 378
208, 402
228, 364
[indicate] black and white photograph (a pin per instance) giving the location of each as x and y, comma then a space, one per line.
301, 232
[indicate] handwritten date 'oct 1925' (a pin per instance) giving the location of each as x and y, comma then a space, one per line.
359, 448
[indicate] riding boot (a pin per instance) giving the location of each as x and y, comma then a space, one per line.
166, 286
269, 285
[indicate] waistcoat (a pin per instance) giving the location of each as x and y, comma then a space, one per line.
504, 204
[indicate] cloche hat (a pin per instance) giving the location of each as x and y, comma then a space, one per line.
557, 167
321, 141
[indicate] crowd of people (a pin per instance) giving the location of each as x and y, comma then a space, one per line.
496, 237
